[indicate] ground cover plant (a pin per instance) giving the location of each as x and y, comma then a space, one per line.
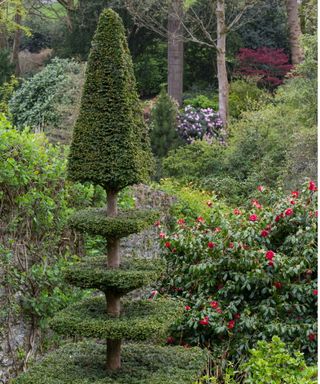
249, 271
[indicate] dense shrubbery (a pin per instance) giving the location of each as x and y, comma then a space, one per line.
247, 271
49, 99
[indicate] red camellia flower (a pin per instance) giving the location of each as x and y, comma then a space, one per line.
214, 304
187, 307
312, 186
237, 316
253, 217
311, 336
270, 255
237, 211
277, 284
260, 188
204, 321
181, 221
264, 233
162, 235
288, 212
211, 244
167, 244
231, 324
200, 219
295, 194
209, 203
315, 292
170, 340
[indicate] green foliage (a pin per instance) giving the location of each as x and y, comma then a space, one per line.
201, 101
272, 363
164, 125
141, 365
6, 68
245, 96
110, 144
6, 91
96, 222
132, 274
37, 103
248, 271
139, 320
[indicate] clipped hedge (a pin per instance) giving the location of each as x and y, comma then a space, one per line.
132, 274
84, 363
96, 222
139, 320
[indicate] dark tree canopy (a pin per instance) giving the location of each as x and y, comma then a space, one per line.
110, 142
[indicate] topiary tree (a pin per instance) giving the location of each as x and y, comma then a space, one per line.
111, 148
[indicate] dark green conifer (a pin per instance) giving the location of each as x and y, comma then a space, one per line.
110, 143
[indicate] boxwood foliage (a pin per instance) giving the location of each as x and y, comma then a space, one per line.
84, 363
133, 273
139, 320
110, 144
96, 222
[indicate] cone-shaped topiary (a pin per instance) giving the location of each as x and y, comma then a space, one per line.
110, 144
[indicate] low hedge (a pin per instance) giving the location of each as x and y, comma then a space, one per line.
96, 222
84, 363
133, 273
139, 320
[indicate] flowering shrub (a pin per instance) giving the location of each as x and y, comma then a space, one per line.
270, 65
247, 274
198, 123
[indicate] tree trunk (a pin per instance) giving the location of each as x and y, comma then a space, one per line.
113, 301
16, 44
294, 31
3, 38
221, 62
175, 51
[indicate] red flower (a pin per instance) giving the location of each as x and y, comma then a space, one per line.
211, 244
288, 212
167, 244
237, 211
231, 324
162, 235
214, 304
312, 186
256, 204
253, 218
181, 221
292, 202
204, 321
187, 307
277, 284
277, 218
271, 263
311, 336
260, 188
295, 194
200, 219
315, 292
170, 340
209, 203
157, 223
316, 213
219, 310
218, 229
264, 233
231, 245
237, 316
270, 255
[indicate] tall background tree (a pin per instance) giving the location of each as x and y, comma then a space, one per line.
294, 31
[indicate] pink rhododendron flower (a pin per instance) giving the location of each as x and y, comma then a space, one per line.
292, 202
260, 188
204, 321
295, 194
181, 221
167, 244
211, 244
214, 304
187, 307
288, 212
315, 292
237, 211
231, 324
277, 284
264, 233
271, 263
218, 229
270, 255
237, 316
256, 204
253, 217
311, 336
162, 235
312, 186
231, 245
219, 310
200, 219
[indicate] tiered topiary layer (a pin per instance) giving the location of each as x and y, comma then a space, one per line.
84, 363
96, 222
132, 273
139, 320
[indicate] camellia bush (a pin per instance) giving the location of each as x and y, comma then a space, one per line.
247, 274
198, 123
